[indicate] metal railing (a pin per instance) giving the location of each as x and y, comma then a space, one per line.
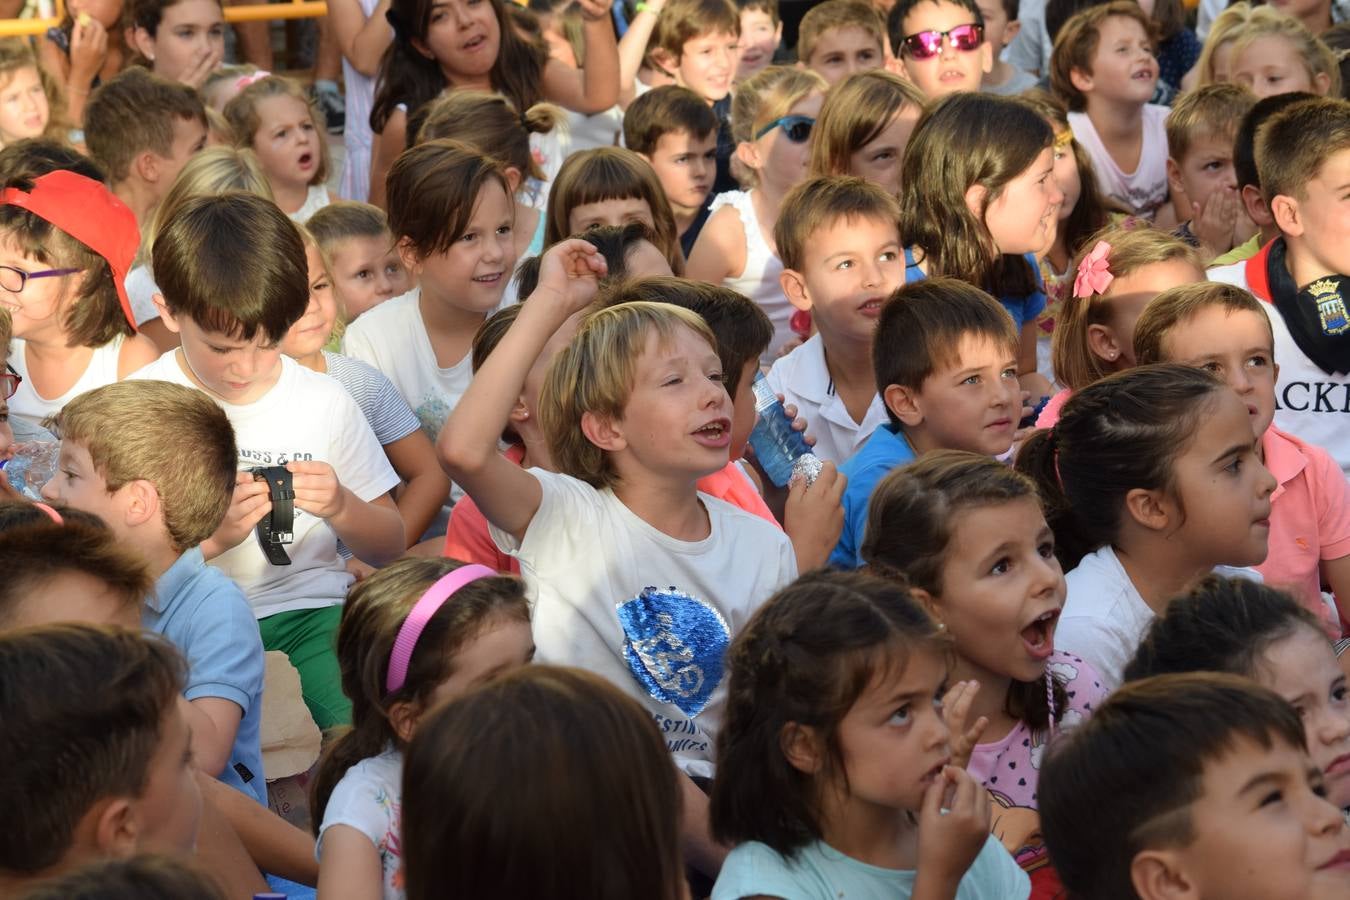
251, 12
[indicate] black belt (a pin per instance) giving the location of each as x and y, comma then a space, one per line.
276, 528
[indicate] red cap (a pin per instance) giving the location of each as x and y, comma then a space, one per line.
90, 213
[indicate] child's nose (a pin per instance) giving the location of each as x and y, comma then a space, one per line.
48, 491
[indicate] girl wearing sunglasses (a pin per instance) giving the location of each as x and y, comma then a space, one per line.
772, 116
941, 45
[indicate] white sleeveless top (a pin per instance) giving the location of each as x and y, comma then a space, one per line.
759, 279
315, 199
357, 138
29, 405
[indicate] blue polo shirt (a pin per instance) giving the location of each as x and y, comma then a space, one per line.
884, 450
1022, 309
204, 614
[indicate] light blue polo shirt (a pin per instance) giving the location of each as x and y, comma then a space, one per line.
204, 614
1022, 309
884, 450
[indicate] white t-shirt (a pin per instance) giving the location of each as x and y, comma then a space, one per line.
368, 798
141, 291
393, 338
305, 416
1104, 616
803, 380
1143, 190
587, 561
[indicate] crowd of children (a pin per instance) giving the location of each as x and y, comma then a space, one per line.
414, 520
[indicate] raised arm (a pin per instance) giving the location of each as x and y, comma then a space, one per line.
507, 495
633, 48
362, 39
595, 88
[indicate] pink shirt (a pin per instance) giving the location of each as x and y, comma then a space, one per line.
1309, 521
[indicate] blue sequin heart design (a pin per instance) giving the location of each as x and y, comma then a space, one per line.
675, 646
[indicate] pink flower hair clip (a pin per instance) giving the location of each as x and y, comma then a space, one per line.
1094, 272
244, 81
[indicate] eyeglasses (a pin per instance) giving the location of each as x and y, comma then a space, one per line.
14, 280
927, 44
9, 383
796, 128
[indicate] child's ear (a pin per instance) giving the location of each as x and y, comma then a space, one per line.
1103, 343
748, 153
1081, 80
664, 61
1321, 84
145, 165
1158, 875
111, 827
403, 718
520, 412
1288, 218
407, 253
142, 41
164, 315
928, 602
794, 288
603, 432
1255, 205
421, 47
904, 404
1149, 508
513, 178
1174, 177
977, 195
140, 501
802, 748
986, 57
1010, 31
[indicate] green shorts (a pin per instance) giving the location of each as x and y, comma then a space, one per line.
308, 637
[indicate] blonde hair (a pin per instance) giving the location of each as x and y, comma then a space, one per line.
856, 110
489, 124
208, 172
1214, 110
831, 14
1225, 29
182, 443
1177, 305
595, 374
1075, 365
1267, 21
242, 114
767, 95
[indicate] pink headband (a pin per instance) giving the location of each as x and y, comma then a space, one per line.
425, 607
244, 81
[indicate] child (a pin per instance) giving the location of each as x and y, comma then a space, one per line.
231, 319
635, 413
761, 33
980, 200
864, 127
1200, 131
396, 427
86, 48
609, 798
1224, 330
611, 186
413, 636
841, 252
1150, 479
1205, 774
1216, 57
365, 265
968, 534
676, 132
1104, 70
362, 32
66, 244
143, 130
181, 40
276, 118
1178, 47
1302, 154
477, 48
696, 44
1249, 180
451, 213
94, 717
62, 565
834, 710
25, 105
1000, 27
162, 503
1082, 212
940, 44
1118, 272
772, 117
207, 173
1236, 625
1274, 54
945, 358
839, 38
487, 124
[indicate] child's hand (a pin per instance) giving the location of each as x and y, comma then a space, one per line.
571, 270
248, 506
814, 516
8, 491
950, 841
196, 75
1215, 222
594, 10
88, 49
798, 423
956, 709
317, 489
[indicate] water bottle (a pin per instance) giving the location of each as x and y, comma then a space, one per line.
32, 466
777, 444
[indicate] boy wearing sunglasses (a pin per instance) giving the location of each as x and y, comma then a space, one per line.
940, 44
